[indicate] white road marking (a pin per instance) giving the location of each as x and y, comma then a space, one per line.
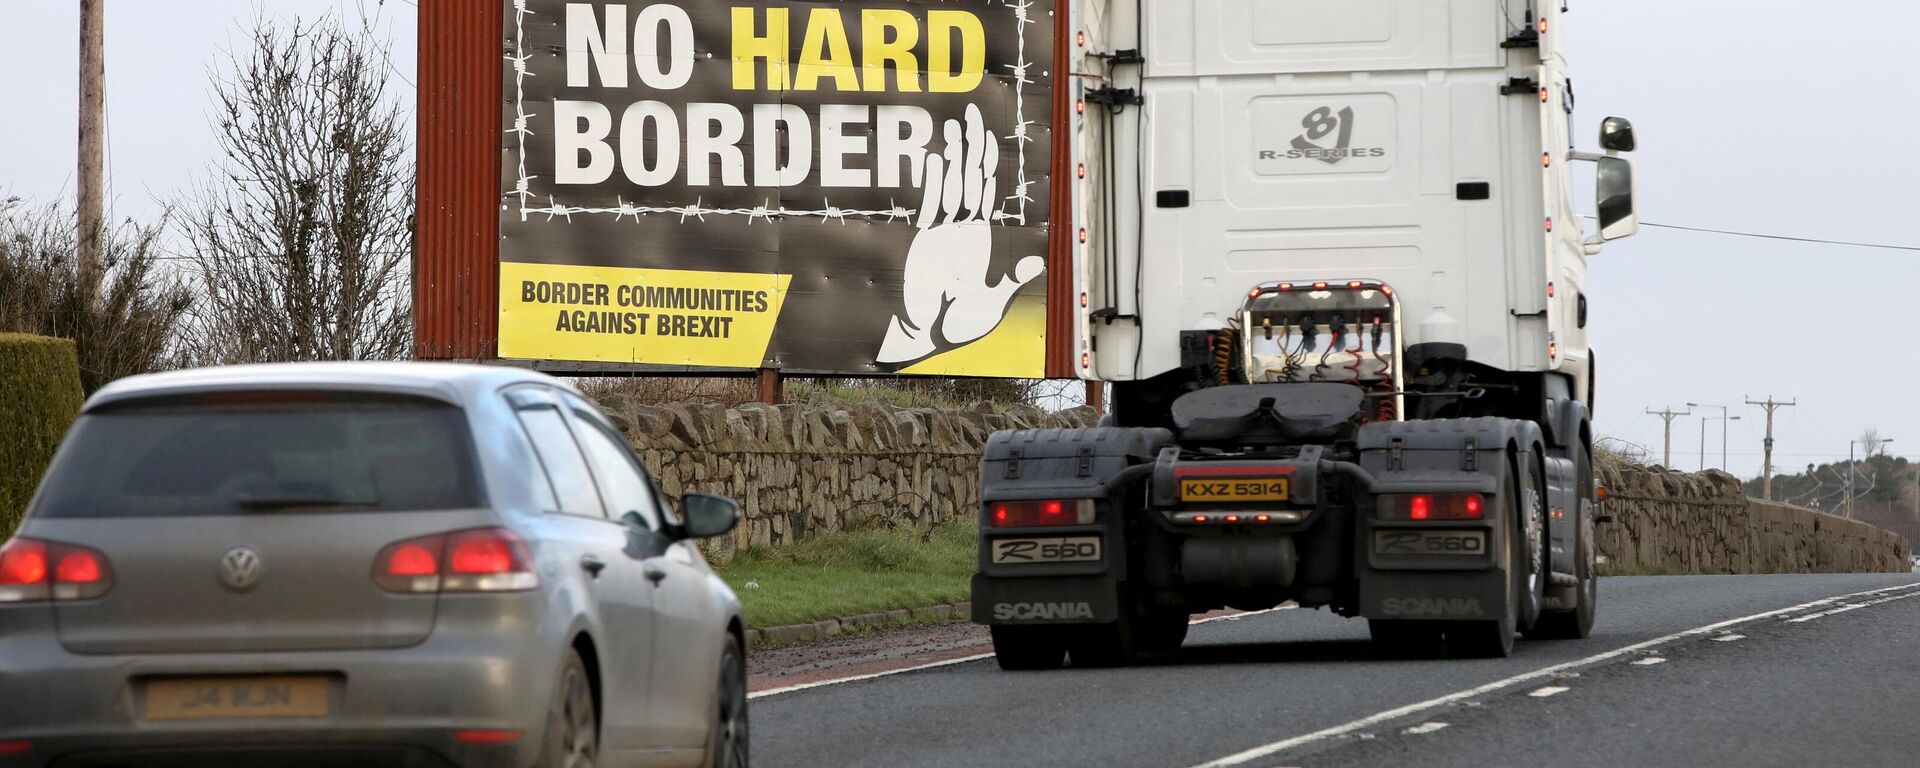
1850, 607
1728, 638
1545, 691
951, 662
1650, 661
1424, 728
1399, 713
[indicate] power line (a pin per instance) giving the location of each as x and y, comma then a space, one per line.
1789, 238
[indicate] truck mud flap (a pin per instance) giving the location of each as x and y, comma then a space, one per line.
1429, 595
1062, 600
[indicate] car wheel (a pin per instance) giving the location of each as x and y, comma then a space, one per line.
727, 746
573, 722
1021, 648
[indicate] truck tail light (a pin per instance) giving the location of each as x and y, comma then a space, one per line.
1435, 506
32, 570
1021, 514
478, 560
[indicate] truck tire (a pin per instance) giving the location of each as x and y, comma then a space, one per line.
1493, 638
1103, 645
1402, 639
1537, 555
1020, 648
1578, 623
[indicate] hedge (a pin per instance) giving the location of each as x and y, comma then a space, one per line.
39, 398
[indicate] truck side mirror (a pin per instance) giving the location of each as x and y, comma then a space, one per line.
1616, 134
1614, 192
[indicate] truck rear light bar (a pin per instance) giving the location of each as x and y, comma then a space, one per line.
1284, 517
1433, 506
1039, 512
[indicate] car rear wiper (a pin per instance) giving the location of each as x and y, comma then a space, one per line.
270, 503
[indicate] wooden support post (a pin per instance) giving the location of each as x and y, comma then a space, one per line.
1097, 395
771, 386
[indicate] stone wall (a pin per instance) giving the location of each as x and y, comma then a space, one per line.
1667, 521
806, 469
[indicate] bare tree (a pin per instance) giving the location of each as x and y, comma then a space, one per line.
300, 243
1871, 443
128, 326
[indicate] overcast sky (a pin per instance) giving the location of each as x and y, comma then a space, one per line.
1789, 117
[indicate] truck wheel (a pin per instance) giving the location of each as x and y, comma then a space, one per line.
1022, 648
1578, 623
1401, 639
1163, 631
1103, 645
1536, 554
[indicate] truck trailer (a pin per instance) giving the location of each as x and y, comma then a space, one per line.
1328, 259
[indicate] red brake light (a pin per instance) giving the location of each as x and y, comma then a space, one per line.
1017, 514
486, 737
78, 567
412, 559
23, 562
1436, 506
15, 746
482, 554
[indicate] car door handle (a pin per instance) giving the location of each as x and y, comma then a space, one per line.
654, 573
593, 564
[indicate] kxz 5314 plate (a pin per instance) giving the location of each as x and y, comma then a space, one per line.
1430, 542
1231, 490
1066, 549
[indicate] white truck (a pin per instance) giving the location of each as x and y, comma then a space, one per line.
1328, 258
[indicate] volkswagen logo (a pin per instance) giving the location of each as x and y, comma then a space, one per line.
240, 569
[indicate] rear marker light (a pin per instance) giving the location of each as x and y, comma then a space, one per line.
1083, 234
1553, 351
1233, 518
1543, 26
1543, 95
1549, 225
1043, 512
1082, 170
1201, 518
1086, 360
1262, 518
15, 747
1319, 286
486, 737
1355, 284
1286, 286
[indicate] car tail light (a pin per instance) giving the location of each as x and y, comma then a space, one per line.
1020, 514
15, 746
1435, 506
32, 570
478, 560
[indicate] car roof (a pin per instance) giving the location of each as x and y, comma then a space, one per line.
451, 382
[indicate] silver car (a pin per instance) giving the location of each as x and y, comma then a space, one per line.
362, 564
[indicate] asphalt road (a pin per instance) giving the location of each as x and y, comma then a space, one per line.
1297, 687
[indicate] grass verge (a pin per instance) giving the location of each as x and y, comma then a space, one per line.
853, 572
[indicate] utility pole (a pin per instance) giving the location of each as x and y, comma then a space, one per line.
1724, 418
1666, 451
1851, 467
91, 210
1766, 466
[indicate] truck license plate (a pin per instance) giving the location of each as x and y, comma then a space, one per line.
1429, 542
1236, 489
1069, 549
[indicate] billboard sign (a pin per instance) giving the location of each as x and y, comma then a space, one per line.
851, 187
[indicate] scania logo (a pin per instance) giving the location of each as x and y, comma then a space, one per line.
1316, 127
1029, 611
241, 568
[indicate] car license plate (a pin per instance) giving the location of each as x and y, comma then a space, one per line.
1068, 549
1236, 489
221, 698
1430, 542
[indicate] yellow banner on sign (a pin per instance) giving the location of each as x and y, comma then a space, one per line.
624, 315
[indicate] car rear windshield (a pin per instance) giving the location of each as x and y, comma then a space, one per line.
247, 453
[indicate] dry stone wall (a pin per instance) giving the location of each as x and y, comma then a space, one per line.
800, 470
1667, 521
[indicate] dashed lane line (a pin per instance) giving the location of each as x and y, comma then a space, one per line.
1545, 691
1400, 713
